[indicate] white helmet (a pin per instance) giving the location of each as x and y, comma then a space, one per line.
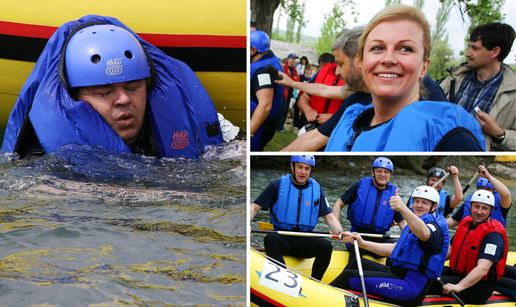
483, 196
426, 192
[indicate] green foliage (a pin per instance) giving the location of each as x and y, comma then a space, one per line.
479, 12
280, 140
333, 24
391, 2
277, 36
419, 4
301, 22
440, 59
295, 16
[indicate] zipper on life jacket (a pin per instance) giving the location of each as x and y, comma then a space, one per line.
352, 142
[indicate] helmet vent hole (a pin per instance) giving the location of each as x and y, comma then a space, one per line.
93, 32
128, 54
95, 59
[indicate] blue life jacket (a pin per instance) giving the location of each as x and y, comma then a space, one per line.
419, 126
496, 213
181, 114
442, 202
277, 101
296, 207
371, 209
407, 253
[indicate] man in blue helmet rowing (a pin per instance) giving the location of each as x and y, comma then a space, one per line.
98, 83
295, 203
266, 96
502, 199
368, 203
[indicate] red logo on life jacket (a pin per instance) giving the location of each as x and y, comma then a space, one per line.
384, 202
180, 139
307, 203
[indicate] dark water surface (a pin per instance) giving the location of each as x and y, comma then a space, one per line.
335, 183
83, 227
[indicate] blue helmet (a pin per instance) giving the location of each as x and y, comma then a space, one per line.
260, 40
383, 162
484, 183
104, 54
308, 159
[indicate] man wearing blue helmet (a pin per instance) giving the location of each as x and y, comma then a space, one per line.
98, 83
295, 203
501, 194
266, 96
368, 203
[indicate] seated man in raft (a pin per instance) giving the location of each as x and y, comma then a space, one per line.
98, 83
418, 256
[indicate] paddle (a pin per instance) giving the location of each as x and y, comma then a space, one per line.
361, 273
441, 180
453, 294
470, 182
319, 234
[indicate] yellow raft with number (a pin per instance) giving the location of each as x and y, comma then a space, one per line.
276, 286
209, 36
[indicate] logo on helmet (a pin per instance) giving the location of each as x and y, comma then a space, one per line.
114, 67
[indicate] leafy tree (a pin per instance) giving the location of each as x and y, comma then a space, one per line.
440, 59
391, 2
263, 13
419, 3
301, 22
333, 24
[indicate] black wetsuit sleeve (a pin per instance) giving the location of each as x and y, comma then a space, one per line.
457, 216
325, 208
261, 80
350, 195
447, 209
269, 196
434, 243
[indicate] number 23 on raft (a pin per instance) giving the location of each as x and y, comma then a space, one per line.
280, 279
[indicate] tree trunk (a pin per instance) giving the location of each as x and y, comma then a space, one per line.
263, 13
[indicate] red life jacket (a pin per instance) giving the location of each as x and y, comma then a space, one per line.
326, 75
466, 246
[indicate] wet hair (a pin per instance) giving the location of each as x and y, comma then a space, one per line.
326, 58
304, 58
493, 35
396, 13
347, 41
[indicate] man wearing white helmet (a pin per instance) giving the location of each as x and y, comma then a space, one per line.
502, 197
295, 202
367, 201
477, 253
418, 256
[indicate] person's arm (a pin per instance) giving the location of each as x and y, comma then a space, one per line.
254, 210
417, 226
382, 249
310, 141
322, 118
481, 270
263, 108
402, 224
317, 89
452, 223
333, 223
457, 197
337, 208
489, 125
505, 194
303, 103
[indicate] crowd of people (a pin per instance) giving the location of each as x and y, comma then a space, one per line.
377, 96
477, 252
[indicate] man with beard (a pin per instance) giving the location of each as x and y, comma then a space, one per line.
354, 91
317, 109
485, 87
368, 204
